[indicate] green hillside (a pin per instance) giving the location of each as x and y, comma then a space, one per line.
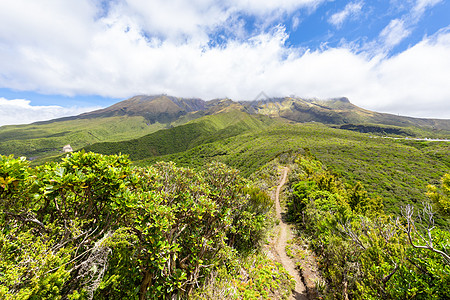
397, 170
44, 140
122, 121
141, 115
181, 138
247, 135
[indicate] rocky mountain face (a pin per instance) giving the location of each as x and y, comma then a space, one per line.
163, 109
335, 111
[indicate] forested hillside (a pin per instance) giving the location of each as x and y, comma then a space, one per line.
184, 137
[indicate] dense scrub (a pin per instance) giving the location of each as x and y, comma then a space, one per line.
254, 277
396, 170
364, 253
93, 226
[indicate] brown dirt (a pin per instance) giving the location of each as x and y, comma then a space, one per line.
279, 245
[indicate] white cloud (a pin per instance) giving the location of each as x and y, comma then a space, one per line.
295, 22
351, 10
193, 20
414, 81
394, 33
262, 7
422, 5
399, 29
174, 19
73, 51
19, 111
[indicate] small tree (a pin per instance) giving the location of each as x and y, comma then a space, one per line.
440, 196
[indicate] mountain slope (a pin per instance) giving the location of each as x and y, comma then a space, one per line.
397, 170
167, 109
44, 140
181, 138
335, 111
125, 120
160, 108
142, 115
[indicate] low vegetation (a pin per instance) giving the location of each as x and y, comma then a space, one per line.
41, 141
364, 253
93, 226
180, 209
396, 170
184, 137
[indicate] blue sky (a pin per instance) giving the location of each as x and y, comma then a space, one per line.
63, 57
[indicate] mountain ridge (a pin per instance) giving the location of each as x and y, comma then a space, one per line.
166, 109
142, 115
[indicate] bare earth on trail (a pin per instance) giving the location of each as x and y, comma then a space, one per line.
284, 234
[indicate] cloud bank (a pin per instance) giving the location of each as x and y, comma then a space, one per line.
19, 111
123, 48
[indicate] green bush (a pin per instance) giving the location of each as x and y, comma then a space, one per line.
364, 253
93, 226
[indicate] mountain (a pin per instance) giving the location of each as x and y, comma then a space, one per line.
128, 119
164, 109
142, 115
247, 135
159, 108
335, 111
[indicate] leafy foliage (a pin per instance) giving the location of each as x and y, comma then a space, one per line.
93, 226
254, 277
364, 253
441, 195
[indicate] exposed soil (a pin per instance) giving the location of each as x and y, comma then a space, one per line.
280, 242
301, 262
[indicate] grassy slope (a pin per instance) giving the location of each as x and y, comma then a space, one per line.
181, 138
396, 170
44, 140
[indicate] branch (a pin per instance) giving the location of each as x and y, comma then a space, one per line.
348, 231
407, 212
27, 218
387, 277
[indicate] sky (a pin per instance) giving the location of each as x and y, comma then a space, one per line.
65, 57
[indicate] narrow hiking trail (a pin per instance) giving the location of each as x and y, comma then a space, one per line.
284, 234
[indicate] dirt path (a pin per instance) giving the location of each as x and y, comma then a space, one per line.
284, 235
